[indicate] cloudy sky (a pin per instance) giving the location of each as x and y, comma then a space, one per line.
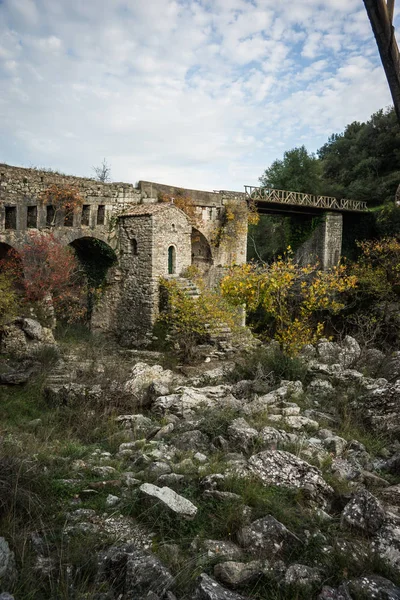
197, 93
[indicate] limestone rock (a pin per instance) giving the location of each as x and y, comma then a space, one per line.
391, 367
320, 389
72, 394
188, 400
329, 593
137, 423
287, 390
191, 440
267, 537
137, 573
144, 375
386, 545
170, 499
350, 351
218, 549
373, 587
302, 576
8, 572
380, 408
364, 512
242, 435
32, 329
277, 467
208, 589
237, 573
13, 341
328, 352
271, 437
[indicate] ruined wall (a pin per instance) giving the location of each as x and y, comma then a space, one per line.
22, 188
145, 234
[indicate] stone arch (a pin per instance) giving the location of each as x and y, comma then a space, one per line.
201, 251
96, 257
5, 248
100, 265
68, 237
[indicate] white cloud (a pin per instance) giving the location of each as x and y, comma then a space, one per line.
199, 93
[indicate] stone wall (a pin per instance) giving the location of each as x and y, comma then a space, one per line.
325, 243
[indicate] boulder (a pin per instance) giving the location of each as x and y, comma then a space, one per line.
133, 571
235, 574
288, 390
328, 352
218, 549
32, 329
364, 513
277, 467
143, 376
373, 587
169, 499
71, 394
140, 425
187, 400
329, 593
267, 537
193, 440
386, 544
390, 368
8, 571
302, 576
350, 352
380, 408
241, 435
208, 589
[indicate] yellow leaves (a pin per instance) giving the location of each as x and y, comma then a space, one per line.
290, 295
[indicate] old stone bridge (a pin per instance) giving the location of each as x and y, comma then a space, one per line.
139, 237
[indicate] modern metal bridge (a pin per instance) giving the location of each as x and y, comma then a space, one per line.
273, 200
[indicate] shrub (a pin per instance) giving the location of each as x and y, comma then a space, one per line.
191, 320
8, 299
45, 269
294, 298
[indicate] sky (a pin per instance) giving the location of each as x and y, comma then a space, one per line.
203, 94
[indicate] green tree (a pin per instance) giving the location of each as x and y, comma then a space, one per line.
298, 171
363, 162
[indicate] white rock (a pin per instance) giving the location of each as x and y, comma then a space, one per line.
176, 503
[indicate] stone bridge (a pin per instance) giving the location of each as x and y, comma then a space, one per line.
127, 230
133, 235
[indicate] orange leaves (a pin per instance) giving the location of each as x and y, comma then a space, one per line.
62, 197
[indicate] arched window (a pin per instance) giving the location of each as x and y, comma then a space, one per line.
134, 247
171, 260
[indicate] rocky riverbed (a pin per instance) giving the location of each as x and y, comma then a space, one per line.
228, 483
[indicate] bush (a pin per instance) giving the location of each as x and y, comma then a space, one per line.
8, 299
295, 299
269, 364
190, 320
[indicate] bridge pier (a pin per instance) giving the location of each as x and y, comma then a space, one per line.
325, 243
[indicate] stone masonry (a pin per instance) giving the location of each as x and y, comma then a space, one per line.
150, 238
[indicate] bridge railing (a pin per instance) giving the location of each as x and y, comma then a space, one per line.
300, 199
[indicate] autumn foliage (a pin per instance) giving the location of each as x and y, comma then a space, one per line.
64, 198
293, 297
44, 269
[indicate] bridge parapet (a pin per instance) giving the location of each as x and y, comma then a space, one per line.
274, 196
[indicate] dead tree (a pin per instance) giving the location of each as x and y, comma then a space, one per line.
380, 13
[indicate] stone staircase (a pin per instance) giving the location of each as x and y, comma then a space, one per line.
186, 285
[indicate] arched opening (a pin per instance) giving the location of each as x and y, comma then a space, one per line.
171, 260
201, 251
96, 258
5, 250
134, 247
